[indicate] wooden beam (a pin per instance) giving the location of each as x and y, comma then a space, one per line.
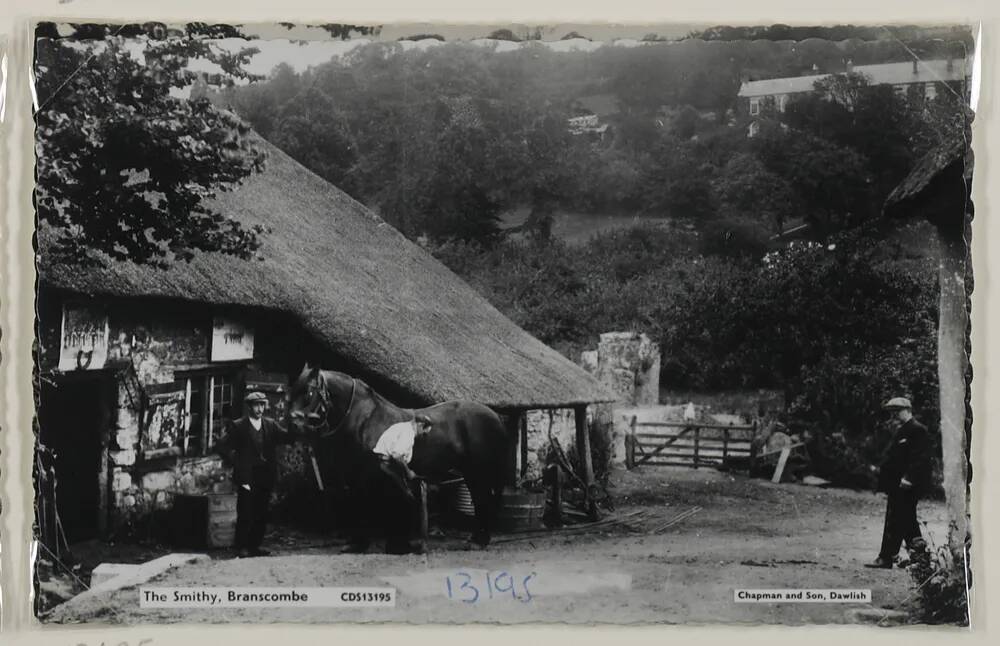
583, 451
782, 460
523, 442
731, 427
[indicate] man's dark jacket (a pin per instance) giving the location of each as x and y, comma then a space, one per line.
908, 456
249, 450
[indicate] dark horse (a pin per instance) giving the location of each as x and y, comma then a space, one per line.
347, 417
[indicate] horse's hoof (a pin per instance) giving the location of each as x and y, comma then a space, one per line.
480, 540
398, 549
354, 549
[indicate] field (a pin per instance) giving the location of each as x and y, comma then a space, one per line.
748, 534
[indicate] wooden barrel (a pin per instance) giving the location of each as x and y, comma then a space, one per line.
521, 510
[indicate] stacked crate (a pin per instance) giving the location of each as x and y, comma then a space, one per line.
204, 521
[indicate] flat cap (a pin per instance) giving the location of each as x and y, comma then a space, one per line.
897, 403
254, 397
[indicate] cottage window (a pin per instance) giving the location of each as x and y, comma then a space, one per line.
209, 405
754, 106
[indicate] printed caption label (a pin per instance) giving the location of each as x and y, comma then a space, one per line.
267, 597
801, 595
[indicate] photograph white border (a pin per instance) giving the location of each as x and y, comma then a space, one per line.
17, 296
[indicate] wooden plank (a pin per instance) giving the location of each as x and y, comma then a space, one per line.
660, 463
690, 447
744, 427
785, 452
779, 451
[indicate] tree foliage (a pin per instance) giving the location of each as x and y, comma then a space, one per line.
126, 166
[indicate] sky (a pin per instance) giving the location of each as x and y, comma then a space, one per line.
302, 55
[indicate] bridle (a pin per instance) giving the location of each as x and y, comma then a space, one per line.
321, 396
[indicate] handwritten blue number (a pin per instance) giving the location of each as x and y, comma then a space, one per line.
468, 584
448, 581
509, 588
524, 584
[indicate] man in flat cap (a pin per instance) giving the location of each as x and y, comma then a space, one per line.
904, 475
250, 448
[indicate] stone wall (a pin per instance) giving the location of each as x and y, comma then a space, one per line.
543, 424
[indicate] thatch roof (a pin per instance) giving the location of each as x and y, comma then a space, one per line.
952, 158
361, 289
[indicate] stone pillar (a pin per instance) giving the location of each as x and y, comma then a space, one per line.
953, 363
629, 364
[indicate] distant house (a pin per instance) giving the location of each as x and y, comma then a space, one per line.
929, 75
593, 114
587, 123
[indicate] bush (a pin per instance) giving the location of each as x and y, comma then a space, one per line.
942, 584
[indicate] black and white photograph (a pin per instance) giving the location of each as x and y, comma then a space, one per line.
503, 323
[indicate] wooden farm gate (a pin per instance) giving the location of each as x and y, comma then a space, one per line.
687, 444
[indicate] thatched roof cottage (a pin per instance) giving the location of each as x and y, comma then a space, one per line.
156, 360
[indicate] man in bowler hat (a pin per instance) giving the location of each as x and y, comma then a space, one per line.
250, 447
904, 475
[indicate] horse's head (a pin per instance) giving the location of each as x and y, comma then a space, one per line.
320, 401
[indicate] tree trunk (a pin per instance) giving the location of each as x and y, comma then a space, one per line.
952, 368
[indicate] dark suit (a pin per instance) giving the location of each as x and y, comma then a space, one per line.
253, 456
908, 456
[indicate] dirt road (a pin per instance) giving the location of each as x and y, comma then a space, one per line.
749, 534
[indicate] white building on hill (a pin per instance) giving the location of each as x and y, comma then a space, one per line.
931, 74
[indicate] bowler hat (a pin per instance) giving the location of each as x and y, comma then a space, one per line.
255, 397
897, 403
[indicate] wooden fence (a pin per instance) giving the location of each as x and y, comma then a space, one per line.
687, 444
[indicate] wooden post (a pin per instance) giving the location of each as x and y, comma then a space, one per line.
512, 423
697, 434
424, 531
630, 445
523, 440
586, 463
725, 445
556, 479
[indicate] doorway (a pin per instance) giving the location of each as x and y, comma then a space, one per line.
73, 416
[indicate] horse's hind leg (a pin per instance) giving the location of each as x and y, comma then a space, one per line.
484, 500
